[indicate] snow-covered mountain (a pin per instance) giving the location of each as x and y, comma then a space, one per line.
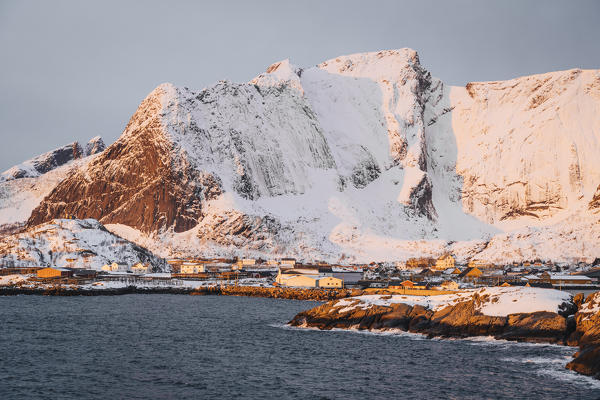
24, 186
53, 159
361, 157
65, 243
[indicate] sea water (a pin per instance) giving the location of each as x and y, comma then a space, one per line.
199, 347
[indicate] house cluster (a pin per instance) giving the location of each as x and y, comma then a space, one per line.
440, 272
443, 273
318, 276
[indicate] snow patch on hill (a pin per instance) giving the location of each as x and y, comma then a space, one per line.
495, 301
72, 243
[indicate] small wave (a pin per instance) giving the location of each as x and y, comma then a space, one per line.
387, 332
555, 367
538, 360
567, 375
491, 341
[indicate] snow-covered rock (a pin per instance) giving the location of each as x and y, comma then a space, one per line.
24, 186
53, 159
72, 243
363, 157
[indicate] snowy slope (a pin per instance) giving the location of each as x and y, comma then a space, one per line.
363, 157
24, 186
493, 301
53, 159
72, 243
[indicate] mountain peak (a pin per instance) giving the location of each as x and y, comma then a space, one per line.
53, 159
377, 65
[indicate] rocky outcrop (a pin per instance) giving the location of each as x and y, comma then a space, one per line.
587, 337
459, 320
277, 292
53, 159
463, 319
595, 203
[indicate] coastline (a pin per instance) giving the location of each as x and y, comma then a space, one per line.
224, 290
574, 325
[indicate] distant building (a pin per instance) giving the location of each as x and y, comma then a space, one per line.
558, 279
306, 281
449, 285
422, 263
330, 282
140, 268
349, 278
192, 268
452, 271
288, 261
407, 284
444, 262
480, 264
115, 267
471, 273
84, 273
52, 272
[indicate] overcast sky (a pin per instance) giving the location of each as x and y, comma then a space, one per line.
71, 70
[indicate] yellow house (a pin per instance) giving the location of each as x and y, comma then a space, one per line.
472, 272
444, 262
192, 268
53, 272
299, 281
331, 282
114, 267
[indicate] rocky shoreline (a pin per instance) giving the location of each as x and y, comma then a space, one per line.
575, 324
249, 291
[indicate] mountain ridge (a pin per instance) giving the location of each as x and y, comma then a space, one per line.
362, 156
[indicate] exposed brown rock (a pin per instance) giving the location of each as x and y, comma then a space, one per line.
139, 181
595, 203
587, 336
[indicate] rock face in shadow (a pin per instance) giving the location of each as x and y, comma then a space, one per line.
587, 336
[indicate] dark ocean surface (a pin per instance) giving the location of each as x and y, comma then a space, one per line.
200, 347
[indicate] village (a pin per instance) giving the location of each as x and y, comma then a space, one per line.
422, 276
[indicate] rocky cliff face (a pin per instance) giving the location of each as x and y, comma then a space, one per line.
587, 337
140, 180
527, 148
363, 156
